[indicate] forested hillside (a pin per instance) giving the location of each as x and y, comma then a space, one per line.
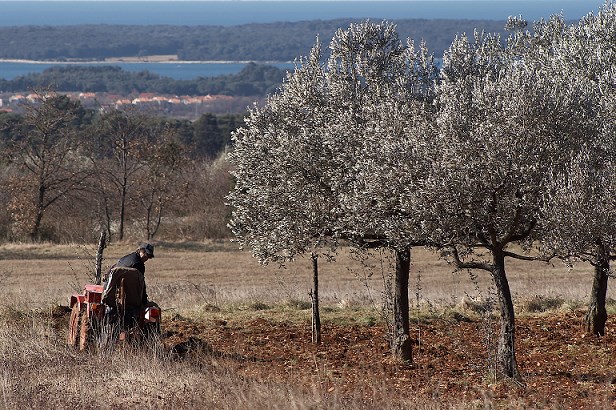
90, 166
283, 41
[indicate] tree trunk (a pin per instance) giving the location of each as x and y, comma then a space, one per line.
38, 217
316, 318
35, 233
159, 217
506, 346
401, 340
107, 214
149, 204
122, 212
596, 316
102, 243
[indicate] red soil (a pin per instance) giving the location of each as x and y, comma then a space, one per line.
453, 362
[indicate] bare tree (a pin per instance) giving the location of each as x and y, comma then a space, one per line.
121, 147
161, 183
204, 211
48, 150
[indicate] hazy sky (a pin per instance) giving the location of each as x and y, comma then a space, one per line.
59, 12
170, 1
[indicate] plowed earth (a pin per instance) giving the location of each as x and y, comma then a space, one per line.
453, 359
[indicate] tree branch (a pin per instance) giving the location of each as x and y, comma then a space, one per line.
469, 265
528, 258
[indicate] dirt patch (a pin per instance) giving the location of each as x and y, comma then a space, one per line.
453, 360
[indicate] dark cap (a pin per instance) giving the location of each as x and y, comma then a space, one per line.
148, 248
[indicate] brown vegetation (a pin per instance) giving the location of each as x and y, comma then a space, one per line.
237, 335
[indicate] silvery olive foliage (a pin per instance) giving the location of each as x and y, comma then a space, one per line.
580, 206
506, 144
509, 117
381, 93
336, 153
282, 201
505, 123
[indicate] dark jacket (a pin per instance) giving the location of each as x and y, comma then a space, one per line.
133, 260
130, 296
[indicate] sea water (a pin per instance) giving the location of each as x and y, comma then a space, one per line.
229, 13
177, 71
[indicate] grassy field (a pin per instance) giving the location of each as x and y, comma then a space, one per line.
248, 327
187, 274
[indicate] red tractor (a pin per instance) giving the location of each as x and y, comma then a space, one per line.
87, 322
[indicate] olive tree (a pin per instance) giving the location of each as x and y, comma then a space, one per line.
283, 204
582, 212
333, 156
504, 128
382, 93
580, 206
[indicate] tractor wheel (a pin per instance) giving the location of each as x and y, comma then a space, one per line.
73, 325
85, 335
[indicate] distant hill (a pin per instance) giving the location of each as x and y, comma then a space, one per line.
252, 80
251, 42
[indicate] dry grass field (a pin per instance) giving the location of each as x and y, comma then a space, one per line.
237, 335
185, 275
